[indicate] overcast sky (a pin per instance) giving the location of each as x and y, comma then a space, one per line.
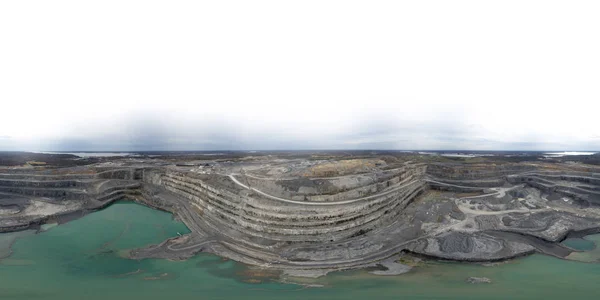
207, 75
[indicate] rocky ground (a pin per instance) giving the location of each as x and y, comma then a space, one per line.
311, 213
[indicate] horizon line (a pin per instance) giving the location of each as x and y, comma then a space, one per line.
292, 150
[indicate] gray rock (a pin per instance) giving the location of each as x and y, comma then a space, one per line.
476, 280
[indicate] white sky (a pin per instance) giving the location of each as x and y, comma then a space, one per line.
195, 75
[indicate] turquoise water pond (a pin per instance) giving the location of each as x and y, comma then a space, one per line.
83, 259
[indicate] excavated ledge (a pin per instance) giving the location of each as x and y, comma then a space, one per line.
286, 215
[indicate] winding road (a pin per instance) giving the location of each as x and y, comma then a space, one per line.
232, 177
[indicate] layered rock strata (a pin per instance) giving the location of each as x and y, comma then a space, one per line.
38, 198
312, 225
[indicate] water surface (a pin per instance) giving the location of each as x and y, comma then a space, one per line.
83, 260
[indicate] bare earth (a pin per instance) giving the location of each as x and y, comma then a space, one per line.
311, 213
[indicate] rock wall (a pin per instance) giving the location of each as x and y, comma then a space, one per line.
475, 171
254, 221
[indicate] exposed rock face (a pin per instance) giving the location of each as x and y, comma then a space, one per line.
39, 197
287, 214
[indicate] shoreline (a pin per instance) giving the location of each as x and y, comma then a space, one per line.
329, 214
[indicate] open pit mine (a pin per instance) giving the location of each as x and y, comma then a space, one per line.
310, 214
